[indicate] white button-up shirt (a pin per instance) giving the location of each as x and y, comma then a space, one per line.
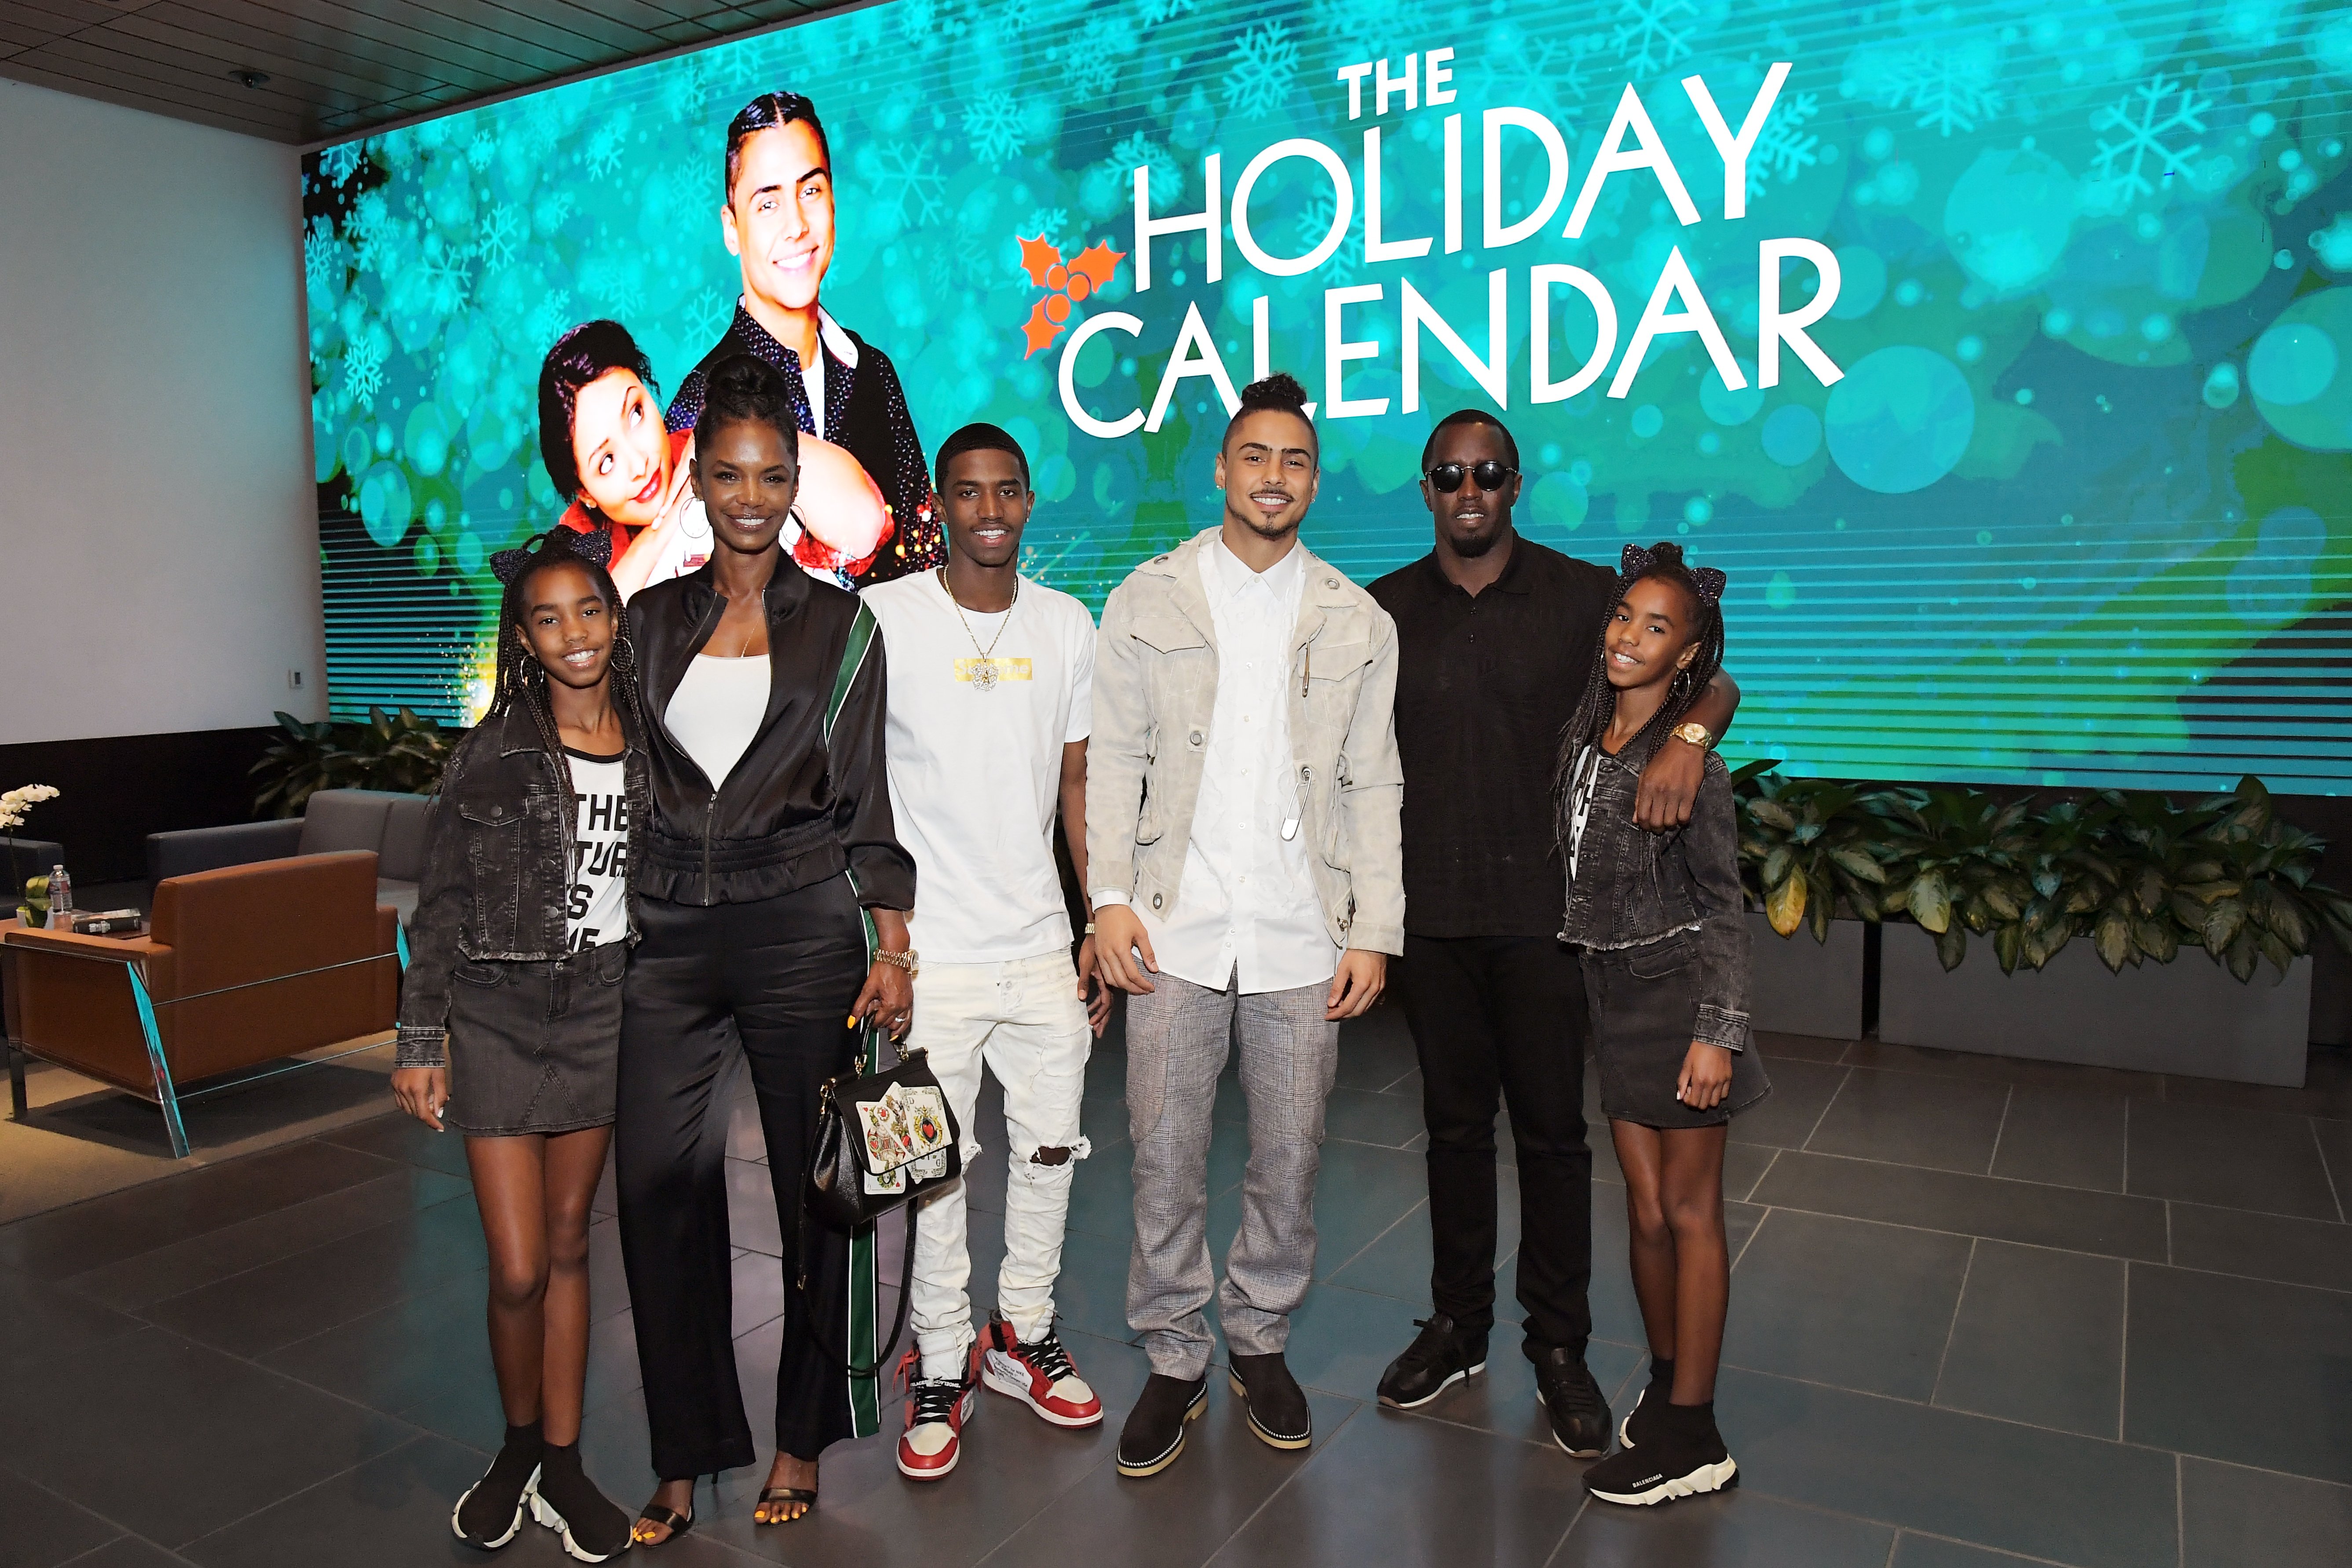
1247, 908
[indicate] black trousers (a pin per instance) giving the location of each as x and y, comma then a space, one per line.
775, 980
1503, 1018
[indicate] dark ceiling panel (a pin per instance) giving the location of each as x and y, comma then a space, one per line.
334, 67
235, 40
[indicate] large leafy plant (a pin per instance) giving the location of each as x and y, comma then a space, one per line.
1808, 850
2137, 874
400, 750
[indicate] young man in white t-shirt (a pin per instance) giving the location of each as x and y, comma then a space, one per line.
990, 705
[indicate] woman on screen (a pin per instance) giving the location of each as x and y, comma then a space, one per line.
777, 221
602, 438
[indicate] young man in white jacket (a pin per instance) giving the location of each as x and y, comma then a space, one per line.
1246, 870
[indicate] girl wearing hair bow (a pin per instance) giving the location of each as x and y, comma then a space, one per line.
523, 927
1658, 922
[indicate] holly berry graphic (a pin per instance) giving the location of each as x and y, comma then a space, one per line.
1069, 283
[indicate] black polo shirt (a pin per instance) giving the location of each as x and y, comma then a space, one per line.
1485, 686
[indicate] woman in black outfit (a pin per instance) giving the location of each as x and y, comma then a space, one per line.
766, 836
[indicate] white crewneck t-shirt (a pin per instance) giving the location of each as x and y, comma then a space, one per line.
716, 711
596, 902
976, 768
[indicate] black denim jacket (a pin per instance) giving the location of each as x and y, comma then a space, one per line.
497, 865
1632, 888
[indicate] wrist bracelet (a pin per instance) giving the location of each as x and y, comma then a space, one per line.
905, 961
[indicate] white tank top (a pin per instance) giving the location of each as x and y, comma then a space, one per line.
717, 709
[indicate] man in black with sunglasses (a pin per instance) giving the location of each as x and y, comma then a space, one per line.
1495, 637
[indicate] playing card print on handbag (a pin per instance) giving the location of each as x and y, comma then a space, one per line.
907, 1136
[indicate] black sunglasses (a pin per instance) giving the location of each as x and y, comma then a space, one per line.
1490, 475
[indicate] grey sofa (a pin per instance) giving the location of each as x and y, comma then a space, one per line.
389, 825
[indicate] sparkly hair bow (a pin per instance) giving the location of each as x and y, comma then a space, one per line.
595, 548
1638, 559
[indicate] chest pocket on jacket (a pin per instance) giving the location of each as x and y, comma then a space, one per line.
1168, 633
494, 855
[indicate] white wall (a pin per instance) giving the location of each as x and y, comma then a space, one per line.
155, 480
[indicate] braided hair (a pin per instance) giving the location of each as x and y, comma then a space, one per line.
521, 680
1703, 587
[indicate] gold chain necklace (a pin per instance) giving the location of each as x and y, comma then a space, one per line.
983, 668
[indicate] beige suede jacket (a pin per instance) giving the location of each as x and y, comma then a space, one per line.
1155, 687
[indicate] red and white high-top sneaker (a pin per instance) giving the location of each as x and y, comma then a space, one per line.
936, 1408
1039, 1373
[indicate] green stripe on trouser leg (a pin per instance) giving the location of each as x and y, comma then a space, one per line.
865, 1393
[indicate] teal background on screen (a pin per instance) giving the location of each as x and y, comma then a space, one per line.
2080, 511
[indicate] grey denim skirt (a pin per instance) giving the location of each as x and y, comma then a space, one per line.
535, 1047
1644, 1007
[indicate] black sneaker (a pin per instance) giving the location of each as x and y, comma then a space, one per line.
1154, 1433
490, 1513
1440, 1357
1684, 1456
1277, 1404
1579, 1414
591, 1525
1637, 1427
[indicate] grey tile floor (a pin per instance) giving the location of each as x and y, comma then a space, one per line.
1983, 1312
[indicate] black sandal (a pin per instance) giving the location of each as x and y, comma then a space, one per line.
788, 1494
669, 1519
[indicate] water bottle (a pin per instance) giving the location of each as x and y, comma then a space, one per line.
60, 900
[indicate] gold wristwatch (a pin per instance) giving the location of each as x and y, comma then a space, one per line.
1694, 733
905, 961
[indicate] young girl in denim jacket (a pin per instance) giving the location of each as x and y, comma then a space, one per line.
1658, 924
522, 929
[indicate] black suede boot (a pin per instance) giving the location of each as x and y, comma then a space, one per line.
1154, 1433
490, 1513
1277, 1404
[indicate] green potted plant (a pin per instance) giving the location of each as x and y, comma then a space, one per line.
13, 804
402, 750
1811, 857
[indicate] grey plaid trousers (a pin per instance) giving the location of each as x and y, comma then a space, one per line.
1177, 1040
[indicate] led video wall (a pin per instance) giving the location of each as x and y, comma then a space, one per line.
2001, 352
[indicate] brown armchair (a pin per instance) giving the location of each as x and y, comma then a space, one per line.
241, 967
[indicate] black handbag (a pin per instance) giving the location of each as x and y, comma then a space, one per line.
883, 1139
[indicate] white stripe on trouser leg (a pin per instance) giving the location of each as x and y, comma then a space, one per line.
1025, 1021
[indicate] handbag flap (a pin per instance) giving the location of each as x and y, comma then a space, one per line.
907, 1123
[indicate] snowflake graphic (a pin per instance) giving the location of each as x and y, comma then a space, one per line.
1314, 223
1260, 69
992, 126
2145, 123
1155, 12
552, 209
1649, 39
614, 283
1949, 81
499, 236
481, 150
337, 165
363, 367
1783, 148
709, 311
1049, 223
1095, 58
323, 255
1548, 76
547, 317
603, 153
908, 182
1141, 151
448, 277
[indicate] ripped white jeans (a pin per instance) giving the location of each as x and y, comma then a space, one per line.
1025, 1020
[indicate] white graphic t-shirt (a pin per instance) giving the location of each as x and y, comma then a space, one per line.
976, 761
596, 905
